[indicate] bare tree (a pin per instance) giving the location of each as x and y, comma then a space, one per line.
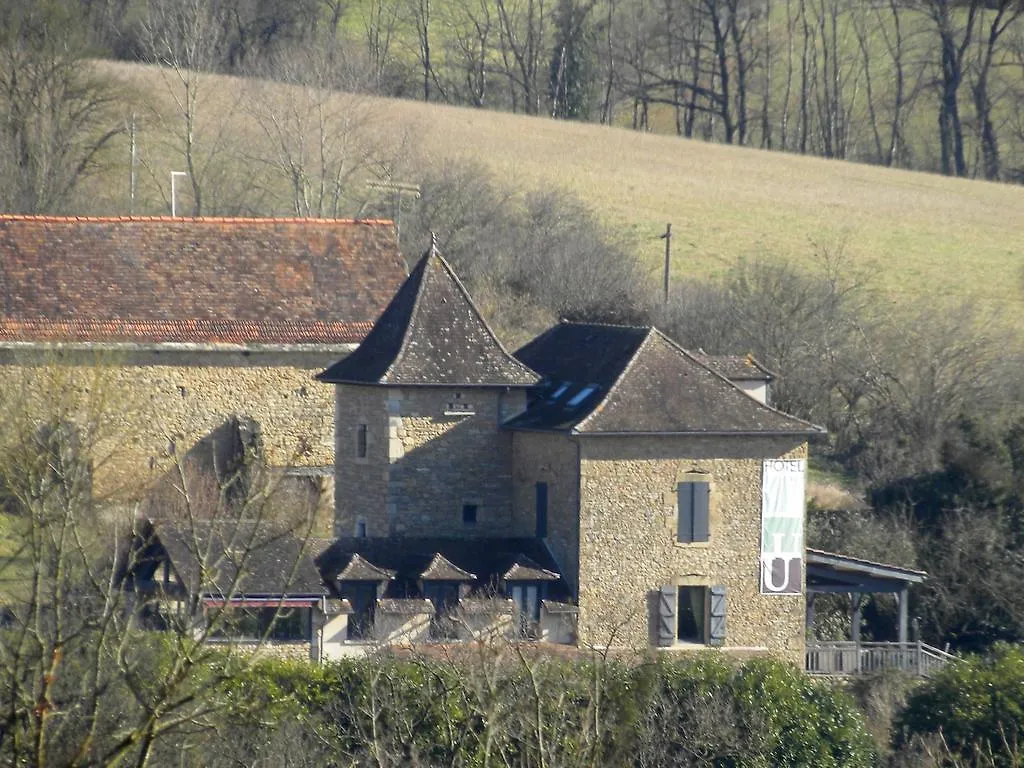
472, 26
183, 37
1003, 16
318, 140
954, 25
523, 33
83, 682
57, 116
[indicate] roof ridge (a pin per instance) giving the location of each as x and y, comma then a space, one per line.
403, 347
472, 305
604, 325
690, 356
618, 379
190, 219
434, 253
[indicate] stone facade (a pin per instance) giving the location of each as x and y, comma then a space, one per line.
541, 457
146, 410
628, 547
429, 451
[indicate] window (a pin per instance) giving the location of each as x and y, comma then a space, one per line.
582, 395
360, 529
469, 514
362, 595
559, 392
527, 598
361, 443
541, 505
445, 597
280, 624
691, 614
693, 523
459, 407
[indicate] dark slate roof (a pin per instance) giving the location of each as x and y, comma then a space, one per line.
489, 560
524, 569
601, 379
736, 367
208, 556
406, 606
431, 334
194, 280
358, 569
441, 568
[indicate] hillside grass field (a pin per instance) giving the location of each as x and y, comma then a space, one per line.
951, 241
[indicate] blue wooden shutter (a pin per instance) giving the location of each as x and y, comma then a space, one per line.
716, 631
666, 616
701, 507
684, 525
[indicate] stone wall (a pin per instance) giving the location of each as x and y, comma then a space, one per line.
628, 548
440, 450
552, 459
143, 412
360, 484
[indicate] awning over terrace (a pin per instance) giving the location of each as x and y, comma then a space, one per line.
831, 572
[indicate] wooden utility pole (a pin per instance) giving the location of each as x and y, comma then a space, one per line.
131, 166
667, 237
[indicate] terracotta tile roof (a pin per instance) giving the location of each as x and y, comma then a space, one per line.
205, 280
601, 379
431, 334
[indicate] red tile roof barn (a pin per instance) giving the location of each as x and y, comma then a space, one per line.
202, 280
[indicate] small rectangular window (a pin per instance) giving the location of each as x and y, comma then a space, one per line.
444, 595
693, 523
361, 441
692, 614
527, 599
469, 514
361, 529
362, 596
582, 395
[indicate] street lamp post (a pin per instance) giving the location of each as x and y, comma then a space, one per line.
174, 192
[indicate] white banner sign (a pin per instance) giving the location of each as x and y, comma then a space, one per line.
782, 525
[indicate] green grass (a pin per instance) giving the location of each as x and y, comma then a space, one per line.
952, 241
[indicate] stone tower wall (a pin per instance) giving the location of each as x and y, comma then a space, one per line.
431, 450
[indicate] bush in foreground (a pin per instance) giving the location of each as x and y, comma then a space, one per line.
509, 706
973, 709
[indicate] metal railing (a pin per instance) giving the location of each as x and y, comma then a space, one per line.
850, 658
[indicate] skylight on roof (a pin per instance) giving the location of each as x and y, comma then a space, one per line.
582, 395
560, 391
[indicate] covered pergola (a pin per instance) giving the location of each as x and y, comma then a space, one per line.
831, 572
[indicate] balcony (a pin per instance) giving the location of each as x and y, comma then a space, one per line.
848, 658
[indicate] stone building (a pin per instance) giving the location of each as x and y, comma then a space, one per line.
188, 324
616, 478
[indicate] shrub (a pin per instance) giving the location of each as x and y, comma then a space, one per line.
975, 706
